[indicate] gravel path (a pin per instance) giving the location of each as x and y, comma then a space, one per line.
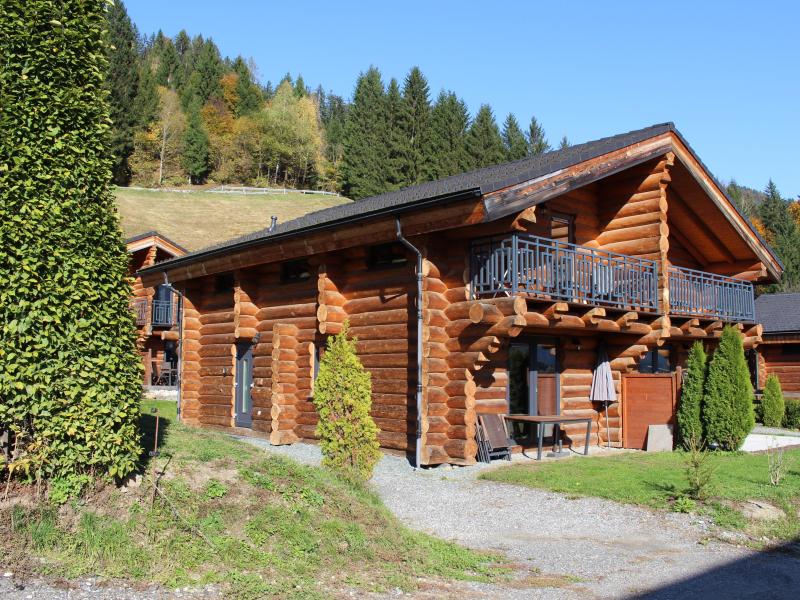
612, 550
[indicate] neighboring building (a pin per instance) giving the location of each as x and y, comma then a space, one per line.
527, 270
155, 307
779, 352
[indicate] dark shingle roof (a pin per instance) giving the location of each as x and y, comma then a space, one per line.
480, 181
153, 233
779, 313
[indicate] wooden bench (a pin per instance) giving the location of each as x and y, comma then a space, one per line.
557, 420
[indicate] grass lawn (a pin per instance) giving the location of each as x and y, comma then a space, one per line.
257, 525
199, 219
657, 479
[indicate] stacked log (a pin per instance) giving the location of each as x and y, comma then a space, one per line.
190, 363
284, 383
330, 303
244, 314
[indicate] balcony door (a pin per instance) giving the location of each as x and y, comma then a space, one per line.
533, 378
244, 385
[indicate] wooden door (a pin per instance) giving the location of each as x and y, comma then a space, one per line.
646, 400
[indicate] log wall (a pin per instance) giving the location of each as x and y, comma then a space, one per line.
782, 360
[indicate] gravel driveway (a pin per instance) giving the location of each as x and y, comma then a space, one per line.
608, 550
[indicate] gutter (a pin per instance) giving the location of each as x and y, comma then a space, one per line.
415, 250
243, 245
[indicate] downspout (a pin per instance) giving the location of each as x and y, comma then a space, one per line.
180, 342
415, 250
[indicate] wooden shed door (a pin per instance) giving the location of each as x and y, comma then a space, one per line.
647, 400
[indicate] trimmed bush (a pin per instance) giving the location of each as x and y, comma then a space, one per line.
728, 408
70, 381
343, 398
690, 426
791, 418
772, 405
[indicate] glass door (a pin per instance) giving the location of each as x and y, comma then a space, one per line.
533, 381
244, 385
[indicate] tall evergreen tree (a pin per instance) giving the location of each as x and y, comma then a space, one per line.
203, 83
564, 143
196, 152
689, 416
397, 139
247, 93
415, 125
784, 235
484, 143
364, 165
516, 146
145, 107
537, 142
168, 63
70, 379
300, 89
122, 81
445, 149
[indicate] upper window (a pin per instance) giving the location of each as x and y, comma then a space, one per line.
562, 228
387, 255
656, 361
295, 270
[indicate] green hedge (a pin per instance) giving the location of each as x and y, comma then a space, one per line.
791, 418
70, 378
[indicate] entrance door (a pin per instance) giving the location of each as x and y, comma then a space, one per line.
533, 381
647, 400
244, 385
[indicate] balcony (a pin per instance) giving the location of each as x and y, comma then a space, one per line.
163, 313
700, 294
139, 308
545, 268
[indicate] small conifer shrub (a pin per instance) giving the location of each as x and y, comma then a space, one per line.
728, 409
690, 426
343, 398
772, 404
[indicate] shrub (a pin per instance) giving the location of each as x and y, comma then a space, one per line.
791, 417
690, 427
683, 504
343, 398
772, 405
699, 472
728, 408
70, 381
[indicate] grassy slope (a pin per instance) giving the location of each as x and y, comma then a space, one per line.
200, 219
656, 479
270, 527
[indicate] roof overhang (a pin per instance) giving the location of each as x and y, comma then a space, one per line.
153, 238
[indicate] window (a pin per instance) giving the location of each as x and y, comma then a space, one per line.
562, 228
656, 361
295, 270
386, 255
789, 349
223, 283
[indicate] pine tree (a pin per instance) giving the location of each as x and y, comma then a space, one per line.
772, 403
484, 143
514, 141
728, 409
397, 139
784, 234
445, 149
247, 93
300, 89
123, 84
537, 143
196, 152
145, 106
70, 381
690, 425
343, 398
415, 125
168, 62
564, 143
203, 83
364, 165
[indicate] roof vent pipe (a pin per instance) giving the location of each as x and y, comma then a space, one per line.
415, 250
273, 222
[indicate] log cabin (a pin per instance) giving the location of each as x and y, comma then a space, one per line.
488, 291
155, 308
779, 352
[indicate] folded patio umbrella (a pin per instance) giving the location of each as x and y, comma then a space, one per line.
603, 385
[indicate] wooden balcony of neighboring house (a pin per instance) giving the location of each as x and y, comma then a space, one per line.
139, 308
543, 268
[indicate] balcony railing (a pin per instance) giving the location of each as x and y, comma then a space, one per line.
163, 314
541, 267
701, 294
139, 308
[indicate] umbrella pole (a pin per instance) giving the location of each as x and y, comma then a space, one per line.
608, 429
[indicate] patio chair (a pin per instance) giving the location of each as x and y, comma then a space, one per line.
493, 439
165, 373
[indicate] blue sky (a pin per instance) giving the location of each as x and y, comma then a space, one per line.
727, 73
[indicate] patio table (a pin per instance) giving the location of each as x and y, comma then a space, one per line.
557, 420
